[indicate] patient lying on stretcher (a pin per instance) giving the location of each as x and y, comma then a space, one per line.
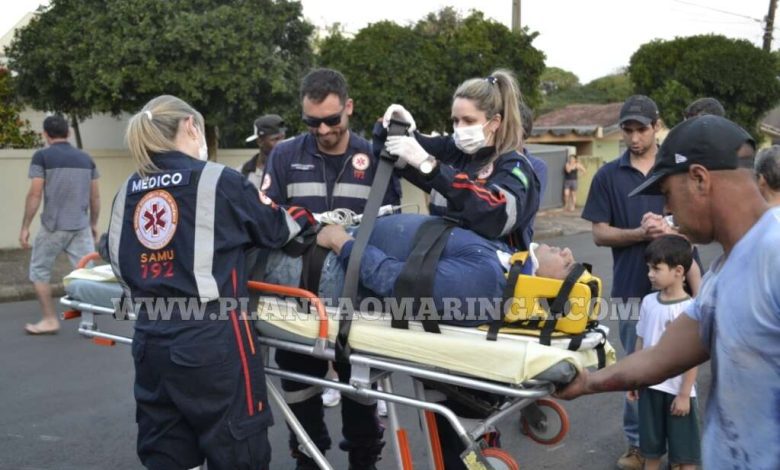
470, 267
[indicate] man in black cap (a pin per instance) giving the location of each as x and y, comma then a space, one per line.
704, 106
735, 320
627, 226
268, 131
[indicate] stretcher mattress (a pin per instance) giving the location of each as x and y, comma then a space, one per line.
94, 286
512, 359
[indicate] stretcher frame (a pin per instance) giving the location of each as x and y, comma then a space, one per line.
540, 417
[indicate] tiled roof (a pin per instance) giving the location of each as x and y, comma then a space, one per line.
581, 119
603, 115
771, 122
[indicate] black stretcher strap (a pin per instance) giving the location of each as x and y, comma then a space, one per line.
419, 272
556, 308
509, 292
312, 261
378, 189
601, 352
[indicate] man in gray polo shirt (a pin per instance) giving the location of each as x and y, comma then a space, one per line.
66, 179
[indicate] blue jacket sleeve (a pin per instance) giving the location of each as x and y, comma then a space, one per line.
441, 148
274, 169
267, 224
500, 206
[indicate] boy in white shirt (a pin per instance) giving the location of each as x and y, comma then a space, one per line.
668, 410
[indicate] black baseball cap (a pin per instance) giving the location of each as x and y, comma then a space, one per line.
708, 140
269, 124
639, 108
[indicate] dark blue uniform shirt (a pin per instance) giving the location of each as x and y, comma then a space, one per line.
177, 241
495, 197
298, 173
608, 202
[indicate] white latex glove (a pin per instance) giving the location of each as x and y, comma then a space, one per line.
400, 113
406, 149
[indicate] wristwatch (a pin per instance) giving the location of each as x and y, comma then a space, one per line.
427, 165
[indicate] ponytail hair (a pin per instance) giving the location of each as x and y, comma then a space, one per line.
153, 130
498, 94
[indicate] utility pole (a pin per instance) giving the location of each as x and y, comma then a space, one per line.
516, 25
770, 25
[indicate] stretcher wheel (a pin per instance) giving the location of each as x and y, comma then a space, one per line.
499, 459
552, 425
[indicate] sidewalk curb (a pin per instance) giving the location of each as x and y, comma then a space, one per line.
549, 233
20, 292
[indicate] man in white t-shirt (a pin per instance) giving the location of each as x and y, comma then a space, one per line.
668, 410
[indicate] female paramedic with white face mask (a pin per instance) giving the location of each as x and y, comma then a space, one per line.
479, 179
179, 230
478, 176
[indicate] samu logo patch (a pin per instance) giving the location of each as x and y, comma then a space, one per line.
155, 220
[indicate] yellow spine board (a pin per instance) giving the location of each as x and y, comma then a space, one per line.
533, 294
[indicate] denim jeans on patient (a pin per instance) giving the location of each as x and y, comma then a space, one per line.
286, 270
469, 279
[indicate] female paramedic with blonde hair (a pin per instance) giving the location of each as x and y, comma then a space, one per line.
478, 176
178, 232
479, 179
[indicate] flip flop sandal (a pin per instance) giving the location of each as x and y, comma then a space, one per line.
35, 331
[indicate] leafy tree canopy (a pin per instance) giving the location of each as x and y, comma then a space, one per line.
607, 89
230, 59
420, 66
15, 132
740, 75
556, 79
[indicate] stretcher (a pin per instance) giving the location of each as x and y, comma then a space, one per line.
521, 370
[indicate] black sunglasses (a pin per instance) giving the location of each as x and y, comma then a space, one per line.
330, 121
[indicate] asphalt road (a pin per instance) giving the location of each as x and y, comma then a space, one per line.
67, 404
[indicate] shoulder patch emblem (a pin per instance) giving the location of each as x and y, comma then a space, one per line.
361, 162
155, 220
518, 173
486, 171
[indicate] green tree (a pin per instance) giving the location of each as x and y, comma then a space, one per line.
15, 132
230, 59
608, 89
556, 79
474, 46
740, 75
386, 63
421, 66
43, 57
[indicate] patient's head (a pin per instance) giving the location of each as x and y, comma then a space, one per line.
554, 262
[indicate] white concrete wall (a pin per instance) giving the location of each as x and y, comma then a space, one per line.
114, 166
101, 131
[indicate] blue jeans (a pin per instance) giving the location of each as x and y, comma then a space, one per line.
283, 269
469, 280
627, 330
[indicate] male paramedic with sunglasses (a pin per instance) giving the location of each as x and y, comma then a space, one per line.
329, 167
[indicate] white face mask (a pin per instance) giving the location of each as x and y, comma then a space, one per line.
203, 150
470, 138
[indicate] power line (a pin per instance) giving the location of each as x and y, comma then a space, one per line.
706, 7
